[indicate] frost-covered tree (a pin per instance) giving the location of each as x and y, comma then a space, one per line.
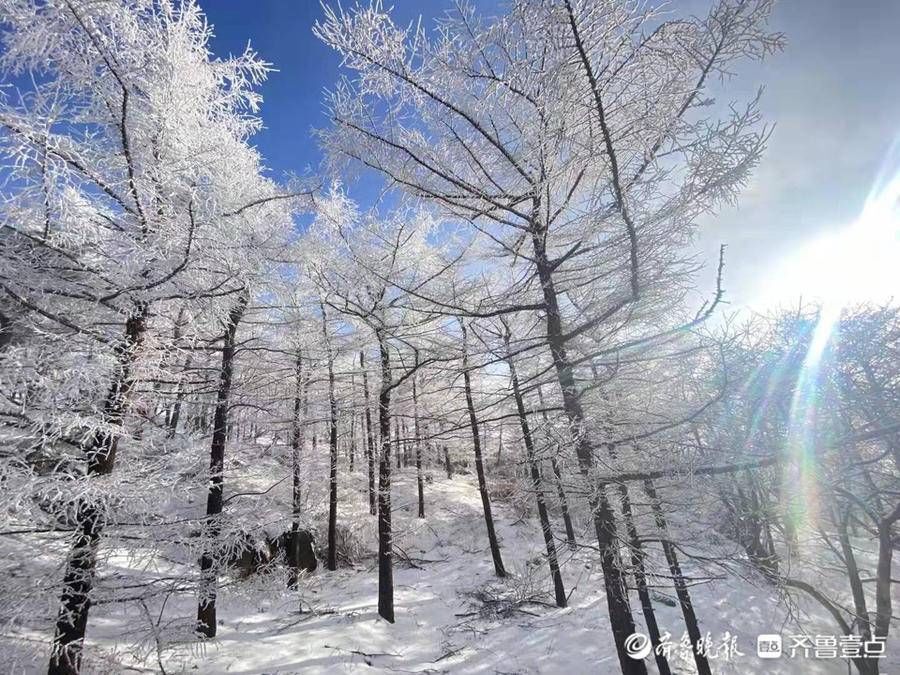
578, 137
813, 416
200, 394
389, 255
118, 206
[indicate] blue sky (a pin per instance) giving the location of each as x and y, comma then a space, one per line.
281, 32
834, 94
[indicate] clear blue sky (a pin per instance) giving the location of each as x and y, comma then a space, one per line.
834, 93
281, 32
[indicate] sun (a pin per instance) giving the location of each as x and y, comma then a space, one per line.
859, 262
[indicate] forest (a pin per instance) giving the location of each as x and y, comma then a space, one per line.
499, 417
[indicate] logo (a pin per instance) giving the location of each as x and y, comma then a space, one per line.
768, 646
637, 646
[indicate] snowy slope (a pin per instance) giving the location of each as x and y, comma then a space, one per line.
441, 626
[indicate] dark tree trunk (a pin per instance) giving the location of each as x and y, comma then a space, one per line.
100, 453
681, 589
856, 587
75, 603
418, 444
369, 436
206, 605
883, 573
479, 463
397, 442
301, 403
560, 488
760, 506
447, 465
172, 415
175, 416
385, 539
620, 618
205, 423
352, 423
552, 561
640, 576
333, 447
750, 525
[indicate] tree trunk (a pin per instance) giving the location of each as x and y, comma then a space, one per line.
301, 403
369, 436
397, 447
640, 578
479, 464
100, 453
552, 561
206, 605
175, 416
333, 446
637, 562
560, 488
385, 539
352, 422
171, 419
418, 444
856, 588
681, 589
448, 466
883, 573
620, 617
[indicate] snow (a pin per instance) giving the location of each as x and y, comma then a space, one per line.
440, 626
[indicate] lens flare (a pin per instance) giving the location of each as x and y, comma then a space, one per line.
858, 263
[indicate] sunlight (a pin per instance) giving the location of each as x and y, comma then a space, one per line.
855, 264
407, 369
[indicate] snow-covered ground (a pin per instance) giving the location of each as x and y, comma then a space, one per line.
442, 623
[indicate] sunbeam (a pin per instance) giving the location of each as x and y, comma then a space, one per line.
856, 263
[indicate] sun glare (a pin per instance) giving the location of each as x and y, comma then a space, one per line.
859, 262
